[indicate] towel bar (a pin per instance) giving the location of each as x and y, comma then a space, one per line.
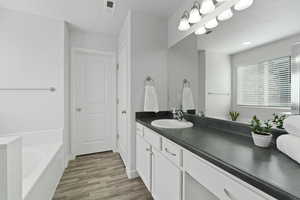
51, 89
216, 93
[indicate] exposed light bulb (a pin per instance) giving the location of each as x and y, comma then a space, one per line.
184, 22
211, 24
207, 6
195, 16
225, 15
200, 31
243, 4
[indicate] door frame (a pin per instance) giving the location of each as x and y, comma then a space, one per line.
73, 97
125, 37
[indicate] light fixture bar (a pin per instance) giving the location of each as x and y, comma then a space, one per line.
220, 8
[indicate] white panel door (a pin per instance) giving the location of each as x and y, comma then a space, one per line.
93, 102
122, 104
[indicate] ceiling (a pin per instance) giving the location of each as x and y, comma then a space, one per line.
264, 22
90, 15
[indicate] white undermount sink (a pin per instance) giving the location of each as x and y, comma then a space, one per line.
171, 124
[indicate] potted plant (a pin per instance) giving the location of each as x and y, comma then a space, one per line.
261, 132
278, 120
234, 115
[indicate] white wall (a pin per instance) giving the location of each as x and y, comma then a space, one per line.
149, 57
218, 82
67, 121
183, 64
94, 41
31, 56
214, 77
253, 56
202, 81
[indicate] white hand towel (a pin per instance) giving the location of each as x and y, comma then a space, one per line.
187, 99
292, 125
151, 102
290, 145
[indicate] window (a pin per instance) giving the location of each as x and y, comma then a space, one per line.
267, 84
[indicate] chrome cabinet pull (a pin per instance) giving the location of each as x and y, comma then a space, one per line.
124, 112
167, 150
228, 194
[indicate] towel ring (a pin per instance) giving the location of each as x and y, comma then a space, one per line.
186, 83
149, 81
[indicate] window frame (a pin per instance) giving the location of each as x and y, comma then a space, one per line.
261, 106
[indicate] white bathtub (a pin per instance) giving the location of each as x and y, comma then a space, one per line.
42, 163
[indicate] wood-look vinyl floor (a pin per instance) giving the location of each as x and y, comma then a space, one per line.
99, 177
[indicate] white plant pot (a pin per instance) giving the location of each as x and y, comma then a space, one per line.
262, 140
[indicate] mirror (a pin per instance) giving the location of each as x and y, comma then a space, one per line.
248, 64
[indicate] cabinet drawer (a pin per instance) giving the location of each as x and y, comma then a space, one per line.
218, 182
166, 178
153, 138
140, 129
172, 151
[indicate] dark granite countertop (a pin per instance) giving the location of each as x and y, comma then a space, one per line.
266, 169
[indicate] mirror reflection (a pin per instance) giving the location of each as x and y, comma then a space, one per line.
247, 65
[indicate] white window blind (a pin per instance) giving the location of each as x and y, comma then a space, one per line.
267, 84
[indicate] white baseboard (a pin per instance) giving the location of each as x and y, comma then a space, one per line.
131, 174
115, 150
66, 163
72, 157
68, 158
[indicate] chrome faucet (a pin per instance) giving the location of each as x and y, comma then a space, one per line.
201, 114
178, 114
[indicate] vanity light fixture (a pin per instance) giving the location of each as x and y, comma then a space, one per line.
243, 4
200, 31
207, 7
211, 24
184, 24
195, 16
225, 15
199, 12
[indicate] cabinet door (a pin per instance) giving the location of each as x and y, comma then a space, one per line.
166, 178
143, 160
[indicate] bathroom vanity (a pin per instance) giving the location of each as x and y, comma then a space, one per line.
213, 160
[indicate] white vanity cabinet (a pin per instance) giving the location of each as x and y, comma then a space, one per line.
166, 178
159, 173
143, 160
218, 182
171, 172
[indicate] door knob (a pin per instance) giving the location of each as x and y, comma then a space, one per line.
124, 112
78, 109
